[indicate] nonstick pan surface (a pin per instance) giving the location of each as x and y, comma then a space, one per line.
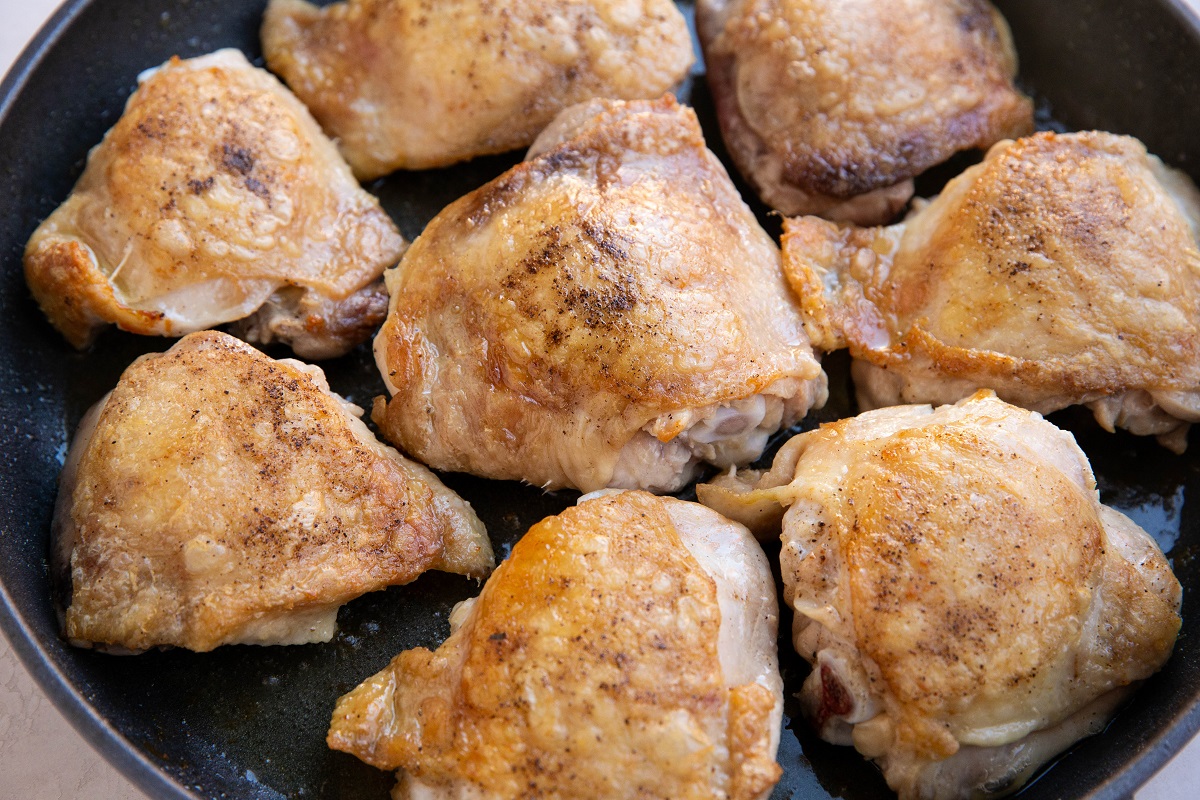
249, 722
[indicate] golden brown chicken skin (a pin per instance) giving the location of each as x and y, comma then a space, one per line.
217, 496
608, 313
626, 649
416, 84
1063, 269
216, 198
969, 606
831, 107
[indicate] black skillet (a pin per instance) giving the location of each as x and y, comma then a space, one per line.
246, 722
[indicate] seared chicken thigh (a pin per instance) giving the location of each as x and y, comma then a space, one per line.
969, 607
216, 198
416, 84
831, 107
217, 496
1063, 269
608, 313
626, 649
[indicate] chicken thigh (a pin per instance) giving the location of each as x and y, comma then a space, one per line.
608, 313
217, 496
1063, 269
625, 649
415, 84
831, 107
968, 605
216, 198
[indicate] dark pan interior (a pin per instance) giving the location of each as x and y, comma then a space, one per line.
245, 722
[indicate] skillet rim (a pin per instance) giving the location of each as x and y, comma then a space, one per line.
149, 778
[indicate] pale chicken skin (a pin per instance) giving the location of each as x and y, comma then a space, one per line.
217, 496
1062, 270
625, 649
969, 606
607, 313
216, 198
416, 84
832, 107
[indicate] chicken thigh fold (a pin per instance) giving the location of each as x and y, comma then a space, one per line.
1062, 270
625, 649
607, 313
416, 84
216, 198
217, 496
969, 606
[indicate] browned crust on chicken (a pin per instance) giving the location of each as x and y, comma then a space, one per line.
969, 606
416, 84
830, 108
221, 488
903, 532
973, 570
1059, 271
76, 296
754, 772
557, 684
611, 279
214, 189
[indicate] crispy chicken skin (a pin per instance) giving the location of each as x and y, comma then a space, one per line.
217, 496
625, 649
831, 107
214, 197
607, 313
969, 606
1063, 269
416, 84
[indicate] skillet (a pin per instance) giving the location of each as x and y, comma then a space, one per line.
246, 722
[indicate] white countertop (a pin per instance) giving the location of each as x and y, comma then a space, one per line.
41, 755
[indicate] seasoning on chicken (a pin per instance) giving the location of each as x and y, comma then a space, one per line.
969, 606
832, 107
216, 198
1062, 270
415, 84
625, 649
217, 496
607, 313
